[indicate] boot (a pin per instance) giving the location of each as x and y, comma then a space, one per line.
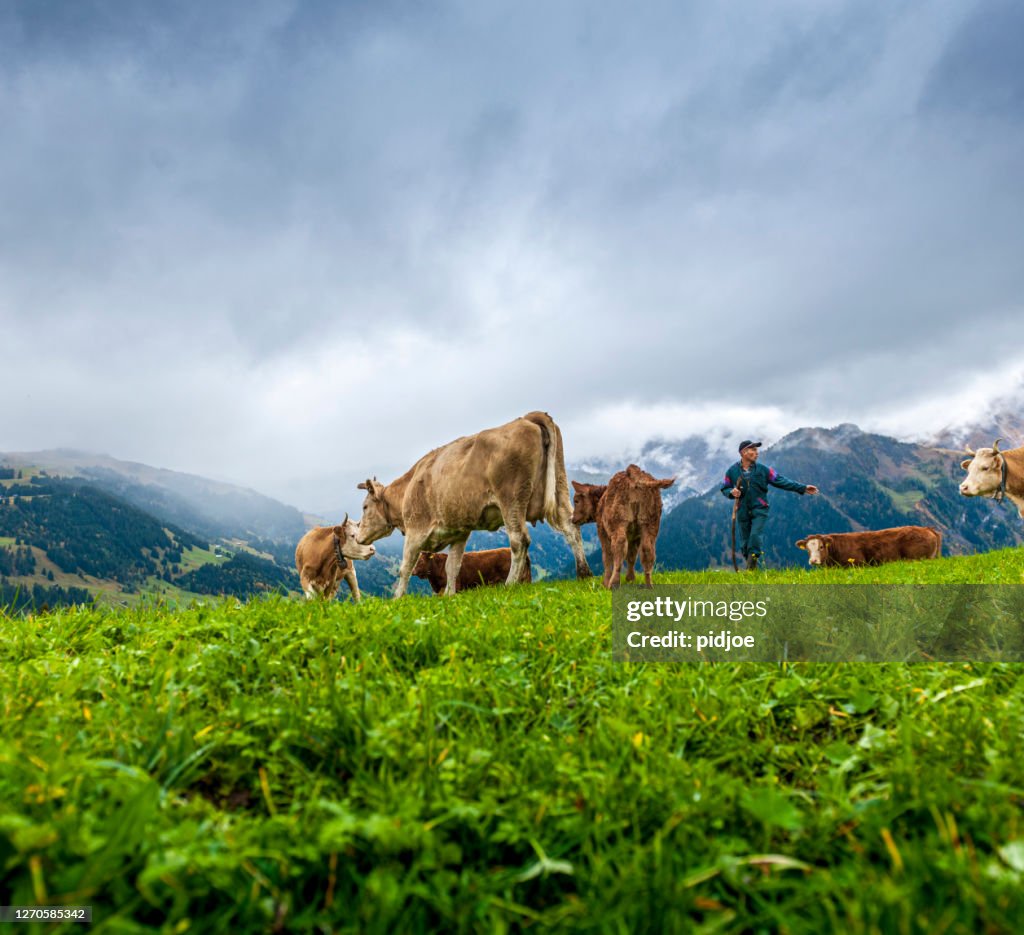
752, 563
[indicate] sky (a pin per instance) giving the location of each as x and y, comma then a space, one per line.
295, 244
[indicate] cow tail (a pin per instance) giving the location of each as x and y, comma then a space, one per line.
553, 457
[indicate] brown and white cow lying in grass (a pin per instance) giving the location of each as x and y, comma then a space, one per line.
873, 548
322, 559
487, 566
996, 474
627, 511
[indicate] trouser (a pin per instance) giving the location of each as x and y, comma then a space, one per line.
750, 524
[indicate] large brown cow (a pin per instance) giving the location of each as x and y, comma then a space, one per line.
506, 476
627, 511
873, 548
487, 566
322, 559
996, 474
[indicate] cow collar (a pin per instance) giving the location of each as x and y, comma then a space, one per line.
1000, 495
342, 561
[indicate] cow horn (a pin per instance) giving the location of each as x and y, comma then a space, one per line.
995, 446
969, 450
344, 522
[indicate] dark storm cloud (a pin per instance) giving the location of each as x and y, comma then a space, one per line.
469, 210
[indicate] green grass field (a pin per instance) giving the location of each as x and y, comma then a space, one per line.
479, 763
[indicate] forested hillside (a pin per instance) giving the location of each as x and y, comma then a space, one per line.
208, 508
65, 541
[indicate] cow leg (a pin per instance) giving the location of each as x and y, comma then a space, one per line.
647, 554
452, 566
352, 581
618, 549
606, 555
632, 547
306, 580
519, 544
410, 554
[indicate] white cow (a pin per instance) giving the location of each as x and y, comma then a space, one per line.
995, 474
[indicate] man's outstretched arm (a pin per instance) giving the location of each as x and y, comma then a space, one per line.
784, 483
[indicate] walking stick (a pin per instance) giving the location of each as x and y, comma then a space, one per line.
735, 506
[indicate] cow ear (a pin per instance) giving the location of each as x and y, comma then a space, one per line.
339, 531
577, 486
966, 465
363, 486
665, 482
801, 544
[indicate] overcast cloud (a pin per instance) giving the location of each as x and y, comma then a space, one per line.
291, 244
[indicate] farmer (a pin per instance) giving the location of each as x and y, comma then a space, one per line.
747, 483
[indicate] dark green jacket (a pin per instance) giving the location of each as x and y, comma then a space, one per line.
755, 485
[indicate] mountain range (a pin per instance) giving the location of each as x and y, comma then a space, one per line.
208, 508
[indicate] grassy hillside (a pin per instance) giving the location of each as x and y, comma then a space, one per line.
479, 763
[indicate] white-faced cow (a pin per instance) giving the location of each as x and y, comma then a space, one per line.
628, 515
874, 547
322, 559
506, 476
995, 474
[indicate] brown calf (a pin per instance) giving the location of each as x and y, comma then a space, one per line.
628, 515
488, 566
322, 559
873, 548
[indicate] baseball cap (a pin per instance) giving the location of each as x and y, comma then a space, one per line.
747, 443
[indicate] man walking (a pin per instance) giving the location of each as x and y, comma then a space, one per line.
747, 483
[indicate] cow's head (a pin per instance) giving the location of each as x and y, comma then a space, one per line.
816, 548
984, 472
584, 509
374, 524
350, 546
428, 561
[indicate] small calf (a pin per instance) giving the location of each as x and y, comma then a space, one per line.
322, 559
627, 511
